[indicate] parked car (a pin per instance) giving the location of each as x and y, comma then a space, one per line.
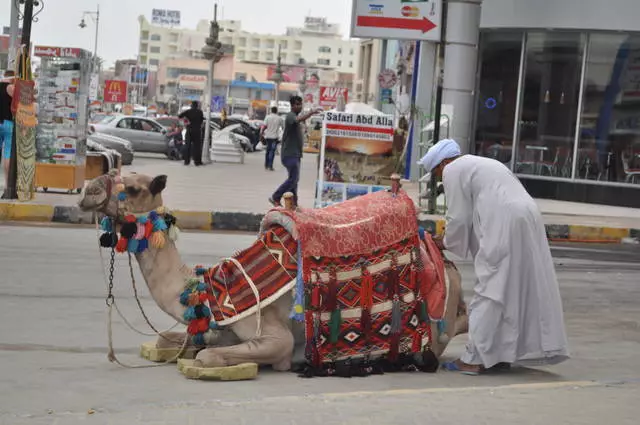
145, 134
250, 131
230, 134
168, 122
122, 146
113, 155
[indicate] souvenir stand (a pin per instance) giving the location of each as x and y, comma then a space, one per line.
61, 142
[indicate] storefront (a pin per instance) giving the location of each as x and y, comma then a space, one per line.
561, 105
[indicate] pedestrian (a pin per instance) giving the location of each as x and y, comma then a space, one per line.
271, 133
516, 312
292, 142
193, 144
7, 86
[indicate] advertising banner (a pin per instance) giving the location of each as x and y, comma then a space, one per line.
356, 156
329, 96
115, 91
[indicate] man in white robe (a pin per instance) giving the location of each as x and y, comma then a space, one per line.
516, 314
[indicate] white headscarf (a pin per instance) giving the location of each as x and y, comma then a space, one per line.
444, 149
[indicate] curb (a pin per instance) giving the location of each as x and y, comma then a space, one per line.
250, 222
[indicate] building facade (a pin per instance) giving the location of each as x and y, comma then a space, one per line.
557, 96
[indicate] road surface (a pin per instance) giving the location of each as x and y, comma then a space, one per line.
54, 370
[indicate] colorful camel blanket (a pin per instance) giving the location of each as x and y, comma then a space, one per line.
367, 287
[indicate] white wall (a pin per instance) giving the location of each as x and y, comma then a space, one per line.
618, 15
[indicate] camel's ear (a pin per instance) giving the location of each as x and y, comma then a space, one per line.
158, 184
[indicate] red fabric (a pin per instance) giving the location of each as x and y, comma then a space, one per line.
433, 277
359, 225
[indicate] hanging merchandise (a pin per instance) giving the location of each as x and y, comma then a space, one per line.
63, 92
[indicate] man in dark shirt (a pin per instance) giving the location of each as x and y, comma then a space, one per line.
193, 145
292, 141
6, 121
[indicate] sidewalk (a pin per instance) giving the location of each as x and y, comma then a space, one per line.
234, 197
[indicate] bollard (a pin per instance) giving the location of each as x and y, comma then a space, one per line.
395, 184
289, 203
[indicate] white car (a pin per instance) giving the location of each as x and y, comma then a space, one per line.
145, 134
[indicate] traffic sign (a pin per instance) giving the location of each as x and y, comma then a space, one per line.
217, 103
397, 20
387, 78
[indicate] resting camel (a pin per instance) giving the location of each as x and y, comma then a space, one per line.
165, 275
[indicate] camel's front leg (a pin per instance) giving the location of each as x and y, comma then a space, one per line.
176, 339
453, 321
274, 346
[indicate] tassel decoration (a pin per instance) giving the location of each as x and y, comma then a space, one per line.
128, 230
157, 240
366, 301
106, 225
109, 240
173, 233
140, 231
331, 305
143, 245
132, 246
122, 245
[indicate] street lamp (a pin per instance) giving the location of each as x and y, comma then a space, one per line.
277, 74
303, 82
212, 52
96, 19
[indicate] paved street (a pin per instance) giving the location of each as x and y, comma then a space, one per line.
54, 369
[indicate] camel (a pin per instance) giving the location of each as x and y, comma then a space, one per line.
165, 275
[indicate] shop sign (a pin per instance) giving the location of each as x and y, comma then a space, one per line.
57, 52
115, 91
329, 96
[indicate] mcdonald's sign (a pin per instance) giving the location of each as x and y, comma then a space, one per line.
115, 91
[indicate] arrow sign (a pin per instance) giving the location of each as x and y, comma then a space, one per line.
424, 24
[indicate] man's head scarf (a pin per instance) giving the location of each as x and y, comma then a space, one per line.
444, 149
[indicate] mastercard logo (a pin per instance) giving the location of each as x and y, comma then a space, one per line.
410, 11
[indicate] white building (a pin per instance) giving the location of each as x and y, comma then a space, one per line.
317, 42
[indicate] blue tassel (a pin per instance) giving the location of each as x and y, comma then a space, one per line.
122, 196
190, 314
421, 232
133, 245
442, 328
184, 297
202, 287
105, 224
297, 312
213, 325
153, 216
159, 225
206, 311
200, 271
198, 339
143, 245
142, 219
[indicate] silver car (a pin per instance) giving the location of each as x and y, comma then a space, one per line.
123, 147
145, 134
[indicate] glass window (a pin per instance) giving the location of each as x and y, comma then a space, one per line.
240, 55
549, 104
339, 63
154, 62
154, 49
609, 147
324, 61
498, 94
155, 37
324, 49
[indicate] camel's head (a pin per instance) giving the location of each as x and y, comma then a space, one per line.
140, 194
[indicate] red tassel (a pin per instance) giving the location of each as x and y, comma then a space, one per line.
203, 297
148, 229
203, 324
130, 218
366, 301
192, 328
122, 245
394, 347
416, 346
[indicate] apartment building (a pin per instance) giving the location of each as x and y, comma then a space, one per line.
317, 42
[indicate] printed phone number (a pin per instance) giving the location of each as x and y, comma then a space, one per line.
358, 134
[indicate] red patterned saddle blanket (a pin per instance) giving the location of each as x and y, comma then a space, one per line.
368, 287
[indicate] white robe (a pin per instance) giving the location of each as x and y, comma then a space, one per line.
515, 315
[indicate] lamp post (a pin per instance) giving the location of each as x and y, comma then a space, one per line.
96, 19
27, 16
303, 82
212, 51
277, 74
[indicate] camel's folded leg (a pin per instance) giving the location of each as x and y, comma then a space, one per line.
176, 339
274, 346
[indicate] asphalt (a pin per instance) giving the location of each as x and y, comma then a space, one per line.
54, 368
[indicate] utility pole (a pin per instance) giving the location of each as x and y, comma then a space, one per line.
212, 51
13, 32
96, 17
277, 74
24, 72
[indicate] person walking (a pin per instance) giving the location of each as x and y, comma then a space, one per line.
271, 133
193, 145
292, 143
7, 85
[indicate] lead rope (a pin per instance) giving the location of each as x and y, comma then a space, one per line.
111, 302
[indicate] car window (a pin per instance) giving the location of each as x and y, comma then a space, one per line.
146, 125
107, 119
125, 123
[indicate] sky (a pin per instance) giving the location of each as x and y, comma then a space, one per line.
118, 38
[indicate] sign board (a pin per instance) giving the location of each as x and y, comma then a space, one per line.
94, 82
385, 96
57, 52
192, 81
217, 103
397, 19
387, 79
138, 76
115, 91
329, 96
355, 156
165, 17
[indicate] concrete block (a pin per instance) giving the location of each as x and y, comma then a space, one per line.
25, 212
557, 231
193, 220
149, 351
72, 215
241, 372
243, 222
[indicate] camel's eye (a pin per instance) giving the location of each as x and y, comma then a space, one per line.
133, 191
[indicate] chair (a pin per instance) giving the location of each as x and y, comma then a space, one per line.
632, 174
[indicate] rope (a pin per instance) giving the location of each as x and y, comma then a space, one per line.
256, 293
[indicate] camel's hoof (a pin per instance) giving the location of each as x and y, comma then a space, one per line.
241, 372
150, 352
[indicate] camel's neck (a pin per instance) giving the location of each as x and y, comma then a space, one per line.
165, 275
